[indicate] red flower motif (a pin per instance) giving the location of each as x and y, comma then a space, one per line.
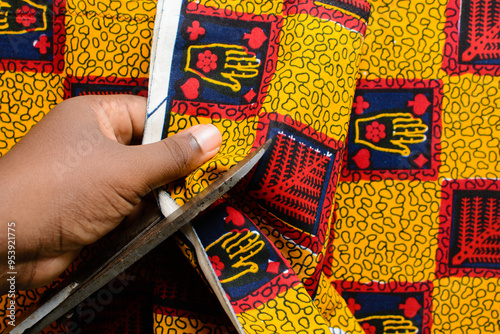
25, 16
375, 132
207, 61
369, 329
217, 265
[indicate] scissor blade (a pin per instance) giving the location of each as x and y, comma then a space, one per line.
134, 243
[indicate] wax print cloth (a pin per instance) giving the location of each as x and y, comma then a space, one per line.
376, 208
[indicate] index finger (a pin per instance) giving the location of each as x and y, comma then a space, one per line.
120, 117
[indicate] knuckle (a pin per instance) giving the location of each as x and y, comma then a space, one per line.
105, 104
179, 155
98, 103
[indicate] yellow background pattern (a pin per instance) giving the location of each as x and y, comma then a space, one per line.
291, 312
471, 127
376, 238
316, 74
404, 40
466, 305
388, 230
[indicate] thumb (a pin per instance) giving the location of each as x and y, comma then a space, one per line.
154, 165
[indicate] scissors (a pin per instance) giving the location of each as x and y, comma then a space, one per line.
133, 243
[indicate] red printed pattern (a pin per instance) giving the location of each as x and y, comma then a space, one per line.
484, 29
294, 179
479, 238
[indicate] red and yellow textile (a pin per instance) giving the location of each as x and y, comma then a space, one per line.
376, 209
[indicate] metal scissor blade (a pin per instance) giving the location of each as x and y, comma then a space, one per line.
135, 242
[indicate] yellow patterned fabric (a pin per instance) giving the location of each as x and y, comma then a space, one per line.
377, 207
275, 78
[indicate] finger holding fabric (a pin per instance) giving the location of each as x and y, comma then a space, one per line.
74, 178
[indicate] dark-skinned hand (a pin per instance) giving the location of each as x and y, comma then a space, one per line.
74, 177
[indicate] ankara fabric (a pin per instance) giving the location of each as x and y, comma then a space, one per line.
389, 219
259, 75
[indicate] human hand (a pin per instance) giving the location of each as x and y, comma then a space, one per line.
72, 179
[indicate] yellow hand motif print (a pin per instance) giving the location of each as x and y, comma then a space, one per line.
392, 324
26, 16
4, 12
239, 253
222, 65
390, 132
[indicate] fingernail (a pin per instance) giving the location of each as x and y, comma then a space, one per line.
208, 137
